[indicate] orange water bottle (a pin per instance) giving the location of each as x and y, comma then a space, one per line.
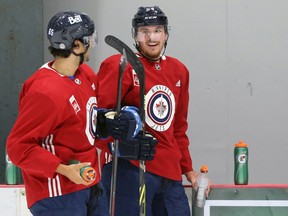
88, 173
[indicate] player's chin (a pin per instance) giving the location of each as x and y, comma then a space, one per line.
153, 55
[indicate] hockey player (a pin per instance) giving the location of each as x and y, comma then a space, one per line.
59, 120
166, 106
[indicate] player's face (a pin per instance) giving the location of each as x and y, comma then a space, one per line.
86, 55
151, 40
93, 40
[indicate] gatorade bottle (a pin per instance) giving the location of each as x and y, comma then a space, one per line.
88, 173
202, 184
12, 173
241, 163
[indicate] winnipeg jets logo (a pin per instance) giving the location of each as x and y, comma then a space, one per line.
91, 119
160, 107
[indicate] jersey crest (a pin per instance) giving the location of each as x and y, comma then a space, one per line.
160, 107
91, 119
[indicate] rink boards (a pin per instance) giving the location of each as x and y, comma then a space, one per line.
249, 200
224, 200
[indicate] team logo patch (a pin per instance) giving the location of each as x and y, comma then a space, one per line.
157, 67
135, 78
74, 104
93, 87
77, 81
91, 119
160, 107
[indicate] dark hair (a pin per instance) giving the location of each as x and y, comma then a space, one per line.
59, 52
62, 53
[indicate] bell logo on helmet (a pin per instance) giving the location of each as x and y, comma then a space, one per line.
76, 19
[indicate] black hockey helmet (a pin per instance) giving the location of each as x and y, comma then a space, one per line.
149, 16
65, 27
146, 16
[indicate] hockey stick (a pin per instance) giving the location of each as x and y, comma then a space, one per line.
122, 66
139, 69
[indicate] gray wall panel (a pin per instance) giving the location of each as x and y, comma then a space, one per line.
21, 46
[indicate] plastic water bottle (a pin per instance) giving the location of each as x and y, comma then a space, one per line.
12, 173
88, 173
202, 184
241, 163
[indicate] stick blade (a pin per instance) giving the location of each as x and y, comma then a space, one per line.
137, 65
131, 57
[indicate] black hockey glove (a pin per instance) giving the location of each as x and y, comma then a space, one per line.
124, 126
141, 147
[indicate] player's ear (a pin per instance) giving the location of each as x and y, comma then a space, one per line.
136, 43
77, 46
166, 37
76, 43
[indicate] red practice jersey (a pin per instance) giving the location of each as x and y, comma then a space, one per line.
56, 123
166, 107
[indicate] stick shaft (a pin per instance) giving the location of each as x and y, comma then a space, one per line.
122, 66
139, 69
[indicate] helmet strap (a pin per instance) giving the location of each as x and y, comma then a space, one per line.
81, 58
81, 55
